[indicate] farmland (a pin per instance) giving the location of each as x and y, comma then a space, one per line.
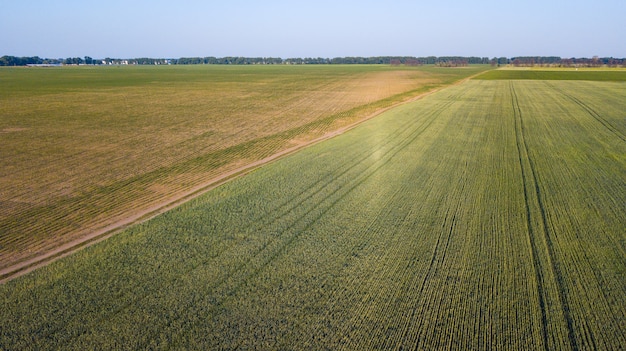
489, 215
608, 75
86, 149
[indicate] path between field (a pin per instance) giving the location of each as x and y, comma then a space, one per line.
96, 236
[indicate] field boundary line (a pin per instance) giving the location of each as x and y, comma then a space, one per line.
21, 268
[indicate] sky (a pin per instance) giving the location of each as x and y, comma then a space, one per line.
321, 28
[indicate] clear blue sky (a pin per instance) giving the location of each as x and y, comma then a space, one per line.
322, 28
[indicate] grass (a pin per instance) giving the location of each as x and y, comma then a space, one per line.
86, 147
486, 216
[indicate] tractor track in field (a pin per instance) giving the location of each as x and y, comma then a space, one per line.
94, 236
533, 198
533, 245
267, 252
591, 112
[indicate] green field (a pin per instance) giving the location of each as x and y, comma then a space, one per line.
85, 148
489, 215
614, 75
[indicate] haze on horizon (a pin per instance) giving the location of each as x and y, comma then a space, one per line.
324, 28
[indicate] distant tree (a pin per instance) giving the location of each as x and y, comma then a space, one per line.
73, 61
413, 62
5, 61
20, 61
596, 62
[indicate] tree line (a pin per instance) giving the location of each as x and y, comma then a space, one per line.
443, 61
530, 61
